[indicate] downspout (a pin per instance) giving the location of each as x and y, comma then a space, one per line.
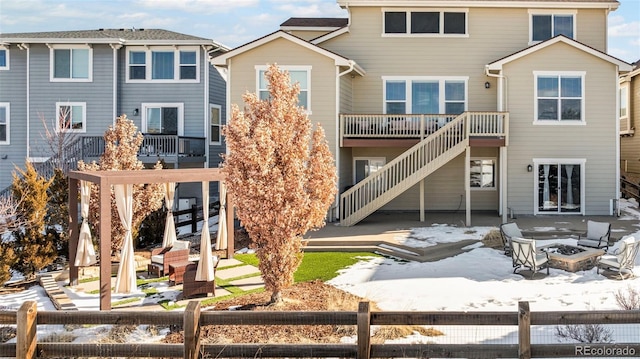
502, 106
26, 47
616, 206
352, 64
115, 48
207, 110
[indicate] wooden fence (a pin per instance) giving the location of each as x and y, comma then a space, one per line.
28, 318
629, 189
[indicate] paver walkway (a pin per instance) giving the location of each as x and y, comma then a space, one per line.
231, 273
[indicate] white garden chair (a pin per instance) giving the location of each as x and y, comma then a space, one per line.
623, 259
524, 254
508, 231
597, 235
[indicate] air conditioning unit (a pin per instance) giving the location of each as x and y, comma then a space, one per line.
185, 203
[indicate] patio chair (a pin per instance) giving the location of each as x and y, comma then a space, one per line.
524, 254
161, 258
508, 231
597, 235
623, 258
192, 287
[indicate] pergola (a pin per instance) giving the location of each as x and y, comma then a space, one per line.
104, 180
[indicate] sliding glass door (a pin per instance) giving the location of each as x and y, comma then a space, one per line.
559, 186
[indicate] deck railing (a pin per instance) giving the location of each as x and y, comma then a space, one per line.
28, 319
371, 126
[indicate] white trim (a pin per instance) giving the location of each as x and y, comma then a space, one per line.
52, 48
147, 105
497, 65
552, 13
149, 50
7, 107
559, 161
309, 28
211, 142
560, 74
495, 178
441, 90
612, 5
626, 86
339, 60
329, 36
83, 105
6, 56
38, 159
289, 68
205, 102
440, 33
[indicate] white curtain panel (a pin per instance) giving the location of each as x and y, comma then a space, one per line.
205, 265
85, 254
170, 226
569, 170
221, 240
126, 279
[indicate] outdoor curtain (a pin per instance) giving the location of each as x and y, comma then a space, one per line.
85, 254
221, 240
126, 279
170, 226
205, 265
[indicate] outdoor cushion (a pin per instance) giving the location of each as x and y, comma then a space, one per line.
180, 245
158, 258
595, 230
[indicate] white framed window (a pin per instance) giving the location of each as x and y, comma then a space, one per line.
5, 115
215, 123
545, 24
436, 22
4, 58
624, 101
163, 64
483, 173
299, 74
71, 63
163, 118
366, 166
559, 97
425, 95
71, 116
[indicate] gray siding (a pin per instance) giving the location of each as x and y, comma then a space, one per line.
217, 96
13, 89
630, 145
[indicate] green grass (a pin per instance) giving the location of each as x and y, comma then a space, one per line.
125, 301
316, 265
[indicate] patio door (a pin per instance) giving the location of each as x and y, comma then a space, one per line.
363, 167
559, 186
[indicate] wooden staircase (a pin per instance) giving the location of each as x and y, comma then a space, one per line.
418, 162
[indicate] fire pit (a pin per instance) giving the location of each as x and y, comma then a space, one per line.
572, 258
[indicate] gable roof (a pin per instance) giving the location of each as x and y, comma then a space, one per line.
109, 36
605, 4
497, 65
339, 59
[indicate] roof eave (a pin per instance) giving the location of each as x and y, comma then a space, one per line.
612, 5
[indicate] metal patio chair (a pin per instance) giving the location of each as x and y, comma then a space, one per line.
524, 254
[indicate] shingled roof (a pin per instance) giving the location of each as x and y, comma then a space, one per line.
136, 36
331, 22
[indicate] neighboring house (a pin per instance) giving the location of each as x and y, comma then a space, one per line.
436, 105
629, 119
80, 81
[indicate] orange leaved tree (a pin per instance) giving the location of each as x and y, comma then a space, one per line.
281, 176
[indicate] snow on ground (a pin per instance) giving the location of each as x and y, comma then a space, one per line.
478, 280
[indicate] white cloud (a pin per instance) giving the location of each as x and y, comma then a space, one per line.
198, 6
625, 29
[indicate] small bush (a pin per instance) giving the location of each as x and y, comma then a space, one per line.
586, 333
629, 299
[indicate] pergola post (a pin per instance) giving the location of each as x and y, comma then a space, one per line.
74, 232
104, 193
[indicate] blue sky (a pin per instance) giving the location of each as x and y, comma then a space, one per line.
230, 22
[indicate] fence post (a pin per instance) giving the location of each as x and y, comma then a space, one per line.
194, 219
364, 331
26, 338
191, 327
524, 330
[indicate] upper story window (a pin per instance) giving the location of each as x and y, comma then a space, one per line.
71, 116
559, 97
4, 58
425, 95
163, 118
624, 101
4, 123
163, 64
299, 74
425, 23
215, 123
71, 63
545, 25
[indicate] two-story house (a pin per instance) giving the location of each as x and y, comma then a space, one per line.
78, 82
439, 105
629, 119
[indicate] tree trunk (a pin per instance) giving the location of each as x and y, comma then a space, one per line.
276, 297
